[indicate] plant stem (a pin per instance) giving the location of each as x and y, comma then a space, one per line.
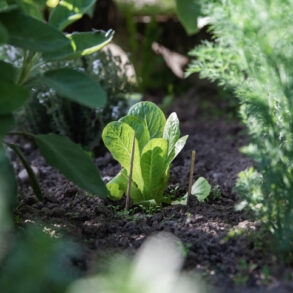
191, 175
22, 133
130, 175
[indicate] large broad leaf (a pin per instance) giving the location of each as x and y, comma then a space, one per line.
6, 123
32, 177
179, 145
70, 159
118, 137
118, 187
153, 162
12, 97
140, 129
81, 44
68, 11
8, 72
29, 33
172, 131
188, 11
76, 86
7, 193
152, 116
3, 35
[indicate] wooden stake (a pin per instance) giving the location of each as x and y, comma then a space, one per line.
130, 175
191, 175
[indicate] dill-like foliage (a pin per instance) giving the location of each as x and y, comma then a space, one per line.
252, 53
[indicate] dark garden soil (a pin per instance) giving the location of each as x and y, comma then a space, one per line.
98, 226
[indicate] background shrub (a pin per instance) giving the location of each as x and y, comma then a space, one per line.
46, 112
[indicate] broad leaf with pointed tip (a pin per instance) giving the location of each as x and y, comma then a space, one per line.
68, 11
29, 33
81, 44
76, 86
188, 12
70, 159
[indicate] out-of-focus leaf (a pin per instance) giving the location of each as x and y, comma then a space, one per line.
70, 159
8, 72
29, 33
38, 263
6, 123
12, 97
68, 11
7, 192
32, 177
188, 12
3, 35
83, 43
76, 86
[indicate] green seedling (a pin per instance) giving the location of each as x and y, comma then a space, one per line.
157, 143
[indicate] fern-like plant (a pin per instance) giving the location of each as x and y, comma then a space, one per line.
252, 53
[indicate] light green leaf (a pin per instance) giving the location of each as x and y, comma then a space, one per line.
8, 72
140, 129
188, 12
201, 189
76, 86
32, 177
118, 187
12, 97
3, 35
6, 123
81, 44
118, 137
68, 11
153, 162
70, 159
29, 33
172, 131
179, 145
152, 116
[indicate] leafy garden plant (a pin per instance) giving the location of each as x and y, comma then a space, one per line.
252, 53
22, 25
157, 144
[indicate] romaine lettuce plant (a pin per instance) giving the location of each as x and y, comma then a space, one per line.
157, 143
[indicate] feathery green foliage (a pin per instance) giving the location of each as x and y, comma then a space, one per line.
252, 53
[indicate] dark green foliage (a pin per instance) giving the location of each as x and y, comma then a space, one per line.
47, 112
37, 262
252, 53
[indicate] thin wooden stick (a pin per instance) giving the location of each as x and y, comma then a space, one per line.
130, 175
191, 175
